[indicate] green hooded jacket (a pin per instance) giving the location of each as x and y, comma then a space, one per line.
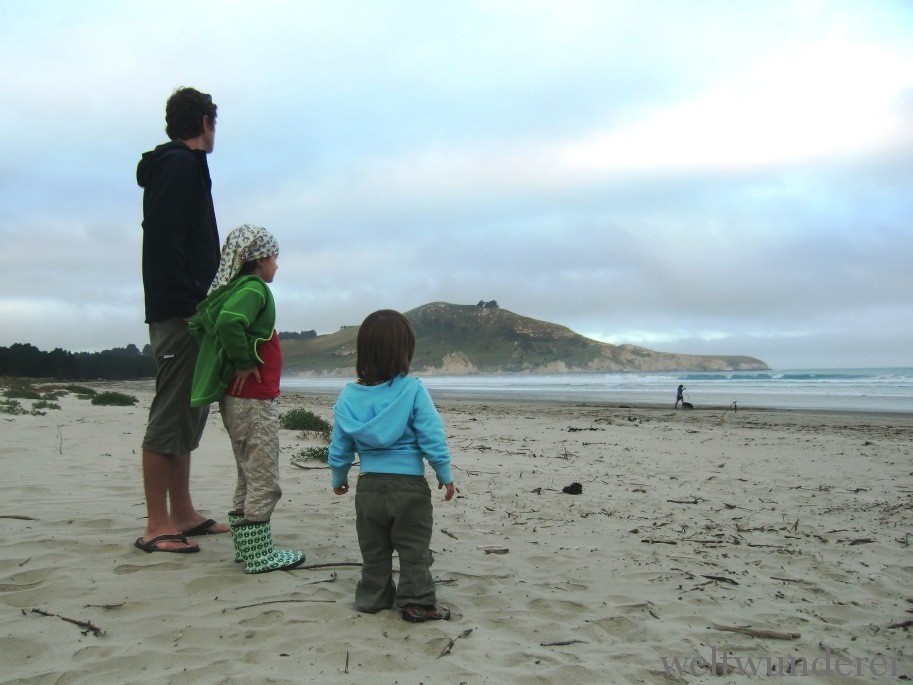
229, 324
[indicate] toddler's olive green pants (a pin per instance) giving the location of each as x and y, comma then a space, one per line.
393, 512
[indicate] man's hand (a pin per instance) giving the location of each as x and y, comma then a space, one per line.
237, 383
450, 490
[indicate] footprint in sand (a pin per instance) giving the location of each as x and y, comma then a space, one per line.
267, 618
92, 653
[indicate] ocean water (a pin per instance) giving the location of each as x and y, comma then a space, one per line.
874, 390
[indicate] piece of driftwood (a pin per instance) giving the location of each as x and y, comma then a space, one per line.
326, 565
861, 541
651, 541
563, 643
87, 625
683, 501
449, 534
18, 517
757, 632
446, 650
287, 601
106, 607
791, 580
722, 579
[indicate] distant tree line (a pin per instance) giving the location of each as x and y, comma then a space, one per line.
22, 360
299, 335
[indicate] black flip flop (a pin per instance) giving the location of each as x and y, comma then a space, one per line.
204, 528
150, 546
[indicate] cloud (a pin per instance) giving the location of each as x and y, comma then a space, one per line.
722, 178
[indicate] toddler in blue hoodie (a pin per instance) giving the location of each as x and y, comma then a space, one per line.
390, 420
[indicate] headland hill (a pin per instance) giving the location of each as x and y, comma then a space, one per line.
453, 339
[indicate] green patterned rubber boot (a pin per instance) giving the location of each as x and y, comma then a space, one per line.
255, 543
235, 517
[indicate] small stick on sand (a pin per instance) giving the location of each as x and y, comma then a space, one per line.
756, 632
89, 628
790, 580
106, 607
327, 565
450, 644
18, 517
722, 579
563, 643
449, 534
286, 601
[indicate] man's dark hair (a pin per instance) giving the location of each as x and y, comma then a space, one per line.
384, 346
184, 113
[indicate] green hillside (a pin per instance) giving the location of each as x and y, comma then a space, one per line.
458, 339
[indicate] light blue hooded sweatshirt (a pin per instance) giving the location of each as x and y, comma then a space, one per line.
391, 426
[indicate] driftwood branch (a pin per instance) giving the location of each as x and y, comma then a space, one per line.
106, 607
790, 580
452, 642
18, 517
493, 549
757, 632
287, 601
327, 565
449, 534
87, 625
722, 579
563, 643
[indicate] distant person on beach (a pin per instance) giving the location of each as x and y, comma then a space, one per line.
390, 420
239, 365
180, 258
679, 396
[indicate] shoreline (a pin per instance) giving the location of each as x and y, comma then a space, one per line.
688, 530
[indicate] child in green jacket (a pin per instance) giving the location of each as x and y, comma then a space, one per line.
239, 365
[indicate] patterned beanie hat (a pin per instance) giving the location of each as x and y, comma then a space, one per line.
244, 244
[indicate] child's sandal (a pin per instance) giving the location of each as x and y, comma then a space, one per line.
417, 613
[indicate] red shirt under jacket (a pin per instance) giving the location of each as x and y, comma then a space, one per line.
270, 352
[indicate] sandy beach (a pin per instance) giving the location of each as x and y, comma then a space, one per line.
703, 547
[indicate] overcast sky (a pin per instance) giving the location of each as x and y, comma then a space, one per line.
710, 177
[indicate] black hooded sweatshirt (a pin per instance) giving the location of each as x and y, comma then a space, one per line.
180, 236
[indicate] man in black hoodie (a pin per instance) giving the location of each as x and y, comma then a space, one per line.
180, 259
